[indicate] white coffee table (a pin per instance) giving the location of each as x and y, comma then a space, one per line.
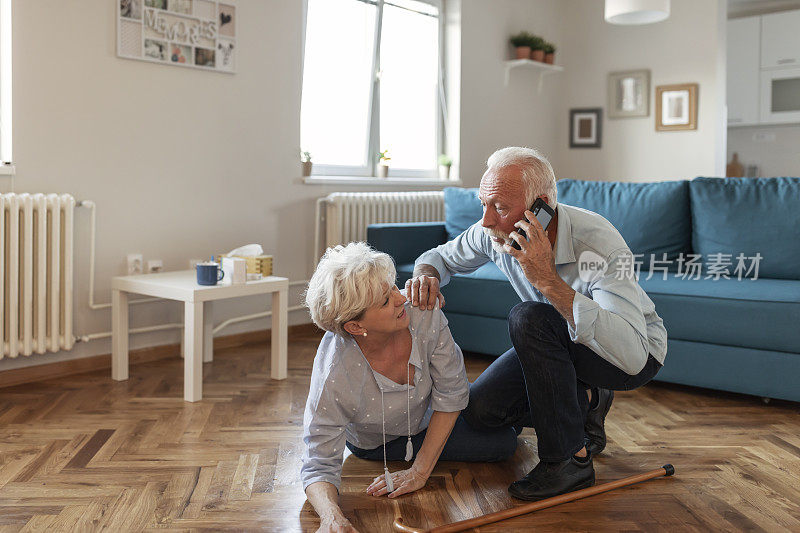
198, 314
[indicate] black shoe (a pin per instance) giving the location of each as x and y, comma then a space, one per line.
552, 479
596, 421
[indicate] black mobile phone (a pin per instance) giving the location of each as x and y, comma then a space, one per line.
543, 213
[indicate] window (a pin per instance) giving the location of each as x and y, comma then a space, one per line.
371, 82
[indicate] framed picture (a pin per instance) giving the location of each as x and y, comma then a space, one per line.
585, 127
154, 49
629, 94
197, 34
180, 6
676, 107
131, 9
204, 57
227, 20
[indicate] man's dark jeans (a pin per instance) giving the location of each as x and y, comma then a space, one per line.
542, 382
465, 443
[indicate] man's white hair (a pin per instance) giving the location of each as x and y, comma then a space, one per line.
537, 173
348, 281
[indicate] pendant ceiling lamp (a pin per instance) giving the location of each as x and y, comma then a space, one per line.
629, 12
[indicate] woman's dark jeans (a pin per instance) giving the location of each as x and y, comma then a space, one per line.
542, 382
464, 444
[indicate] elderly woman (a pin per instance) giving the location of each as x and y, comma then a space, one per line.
388, 383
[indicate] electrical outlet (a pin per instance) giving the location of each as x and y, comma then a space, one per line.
154, 265
134, 264
764, 137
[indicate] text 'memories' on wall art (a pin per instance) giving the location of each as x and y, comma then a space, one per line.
186, 33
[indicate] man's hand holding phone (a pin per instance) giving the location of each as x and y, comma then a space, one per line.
535, 254
543, 213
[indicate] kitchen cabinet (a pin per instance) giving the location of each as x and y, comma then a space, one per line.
763, 69
743, 71
780, 39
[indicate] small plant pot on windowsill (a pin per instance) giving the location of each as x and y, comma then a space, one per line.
537, 55
549, 58
444, 172
523, 52
383, 171
307, 168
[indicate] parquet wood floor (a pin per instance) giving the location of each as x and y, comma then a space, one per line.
86, 453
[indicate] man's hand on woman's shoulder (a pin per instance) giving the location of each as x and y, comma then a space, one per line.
423, 288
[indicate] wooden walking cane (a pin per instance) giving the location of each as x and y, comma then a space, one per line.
666, 470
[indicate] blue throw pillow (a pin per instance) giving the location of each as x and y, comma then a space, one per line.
653, 217
461, 210
749, 216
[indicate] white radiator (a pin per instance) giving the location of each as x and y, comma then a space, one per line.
36, 260
343, 217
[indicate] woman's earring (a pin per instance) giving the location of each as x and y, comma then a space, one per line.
365, 333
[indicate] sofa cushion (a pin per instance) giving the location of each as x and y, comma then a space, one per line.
653, 218
405, 241
461, 210
485, 292
761, 313
749, 216
765, 373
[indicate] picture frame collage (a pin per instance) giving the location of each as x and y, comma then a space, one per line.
628, 96
185, 33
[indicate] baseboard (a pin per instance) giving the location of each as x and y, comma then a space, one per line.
29, 374
263, 335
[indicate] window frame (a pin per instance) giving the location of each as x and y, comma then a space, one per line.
6, 155
370, 167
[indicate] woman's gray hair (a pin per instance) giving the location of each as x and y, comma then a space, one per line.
537, 173
348, 281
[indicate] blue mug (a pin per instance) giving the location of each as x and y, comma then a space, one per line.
209, 273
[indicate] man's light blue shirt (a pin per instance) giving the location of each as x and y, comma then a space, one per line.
613, 315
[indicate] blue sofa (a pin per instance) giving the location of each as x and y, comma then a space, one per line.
727, 334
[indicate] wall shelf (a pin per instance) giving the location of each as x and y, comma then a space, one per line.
542, 68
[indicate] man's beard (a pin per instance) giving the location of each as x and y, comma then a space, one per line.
500, 235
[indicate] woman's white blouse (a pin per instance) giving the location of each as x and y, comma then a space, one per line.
344, 402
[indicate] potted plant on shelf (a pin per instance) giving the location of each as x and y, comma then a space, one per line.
521, 43
445, 161
549, 53
305, 159
383, 164
537, 48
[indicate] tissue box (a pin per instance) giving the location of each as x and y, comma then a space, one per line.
234, 269
260, 264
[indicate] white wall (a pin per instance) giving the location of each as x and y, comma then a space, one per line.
181, 163
780, 157
185, 164
492, 115
686, 48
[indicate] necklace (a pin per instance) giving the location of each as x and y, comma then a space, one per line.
409, 445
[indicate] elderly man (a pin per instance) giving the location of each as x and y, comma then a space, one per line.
584, 327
